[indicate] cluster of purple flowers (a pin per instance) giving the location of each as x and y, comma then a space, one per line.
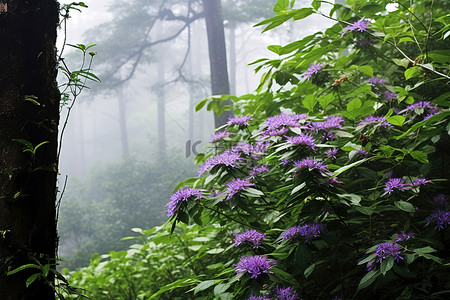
237, 185
374, 120
248, 149
402, 236
385, 250
227, 158
377, 81
329, 123
250, 236
280, 293
439, 200
390, 96
278, 125
255, 265
422, 104
307, 231
440, 219
258, 170
286, 293
399, 184
360, 26
181, 195
362, 152
241, 121
331, 153
311, 164
218, 136
302, 139
313, 69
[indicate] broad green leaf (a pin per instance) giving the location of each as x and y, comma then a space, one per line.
420, 156
401, 62
32, 278
396, 120
203, 286
325, 100
345, 168
221, 288
405, 206
386, 265
281, 6
309, 270
413, 72
354, 104
367, 70
435, 118
309, 102
368, 279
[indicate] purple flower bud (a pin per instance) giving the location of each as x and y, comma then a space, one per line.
250, 236
255, 265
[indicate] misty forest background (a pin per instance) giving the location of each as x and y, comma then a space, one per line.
126, 145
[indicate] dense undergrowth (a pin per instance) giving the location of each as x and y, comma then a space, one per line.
331, 184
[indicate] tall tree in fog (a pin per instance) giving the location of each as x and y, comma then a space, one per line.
217, 55
28, 178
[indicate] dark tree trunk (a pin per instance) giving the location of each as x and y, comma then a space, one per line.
217, 55
28, 182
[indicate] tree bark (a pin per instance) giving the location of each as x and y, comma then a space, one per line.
123, 123
217, 55
28, 181
232, 26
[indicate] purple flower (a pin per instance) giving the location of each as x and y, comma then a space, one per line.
313, 69
377, 81
227, 158
251, 236
422, 104
258, 170
248, 149
331, 153
420, 181
333, 180
218, 136
327, 136
286, 294
440, 200
394, 184
283, 119
374, 120
402, 236
255, 265
330, 122
237, 185
285, 162
302, 139
181, 195
439, 218
433, 113
258, 298
307, 231
311, 164
241, 121
384, 250
389, 95
362, 152
360, 26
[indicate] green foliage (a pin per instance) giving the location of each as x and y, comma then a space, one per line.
367, 221
116, 197
157, 259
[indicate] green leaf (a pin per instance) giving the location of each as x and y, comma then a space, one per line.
325, 100
309, 270
430, 120
275, 48
396, 120
401, 62
221, 288
316, 4
367, 70
32, 278
387, 150
309, 102
23, 267
302, 13
203, 286
200, 105
280, 6
420, 156
368, 279
354, 104
386, 265
298, 188
424, 250
347, 167
413, 72
405, 206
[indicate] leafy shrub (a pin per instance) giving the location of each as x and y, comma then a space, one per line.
334, 180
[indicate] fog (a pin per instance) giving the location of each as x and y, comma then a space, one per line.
120, 165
